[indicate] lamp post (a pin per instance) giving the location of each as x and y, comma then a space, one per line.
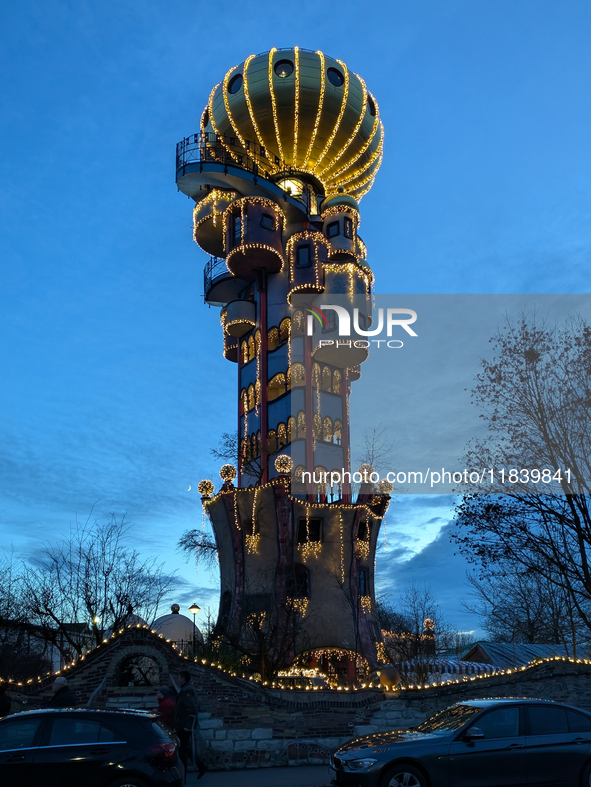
194, 609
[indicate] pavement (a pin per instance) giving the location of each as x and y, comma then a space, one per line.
297, 776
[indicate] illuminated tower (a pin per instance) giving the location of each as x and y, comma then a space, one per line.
289, 142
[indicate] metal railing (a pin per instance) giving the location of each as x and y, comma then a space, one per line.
216, 266
206, 147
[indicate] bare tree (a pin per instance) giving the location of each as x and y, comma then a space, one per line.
79, 588
535, 397
415, 633
375, 448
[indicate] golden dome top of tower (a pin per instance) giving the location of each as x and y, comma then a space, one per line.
307, 112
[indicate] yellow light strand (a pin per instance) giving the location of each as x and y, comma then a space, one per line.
296, 105
248, 101
339, 118
352, 177
377, 126
274, 103
319, 110
229, 111
343, 150
213, 124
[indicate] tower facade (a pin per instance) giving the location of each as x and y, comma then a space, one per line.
289, 142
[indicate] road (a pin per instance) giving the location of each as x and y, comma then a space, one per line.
301, 776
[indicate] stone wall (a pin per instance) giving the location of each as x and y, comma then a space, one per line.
244, 724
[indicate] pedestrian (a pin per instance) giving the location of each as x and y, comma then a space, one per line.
166, 706
63, 696
5, 701
185, 712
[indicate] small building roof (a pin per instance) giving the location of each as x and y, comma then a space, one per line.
177, 627
503, 655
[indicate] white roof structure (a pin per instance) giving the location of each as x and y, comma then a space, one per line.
176, 627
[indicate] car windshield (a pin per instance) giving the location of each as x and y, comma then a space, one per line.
449, 720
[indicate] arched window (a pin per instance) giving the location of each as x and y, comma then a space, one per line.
272, 441
277, 386
299, 323
251, 402
296, 375
337, 378
299, 473
338, 431
257, 342
273, 339
248, 451
281, 436
243, 449
244, 400
301, 425
291, 429
326, 379
327, 430
320, 472
244, 351
138, 670
251, 348
284, 330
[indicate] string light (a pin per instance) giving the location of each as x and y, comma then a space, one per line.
343, 150
248, 102
274, 104
296, 108
299, 605
377, 126
319, 110
205, 488
227, 472
340, 115
365, 602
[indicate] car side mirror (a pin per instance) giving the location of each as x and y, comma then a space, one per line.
473, 734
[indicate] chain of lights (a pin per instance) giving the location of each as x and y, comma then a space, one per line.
369, 180
296, 111
345, 147
342, 545
316, 382
227, 472
283, 464
274, 103
315, 236
228, 111
332, 186
213, 124
318, 111
340, 115
248, 102
304, 288
245, 416
258, 373
365, 602
363, 548
352, 269
299, 605
328, 652
256, 619
249, 246
236, 517
377, 126
212, 198
338, 210
205, 488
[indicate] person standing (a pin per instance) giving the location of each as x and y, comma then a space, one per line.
185, 712
166, 706
63, 696
5, 701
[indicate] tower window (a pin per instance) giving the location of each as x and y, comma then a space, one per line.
332, 229
283, 68
237, 229
331, 322
267, 221
363, 582
335, 77
371, 105
313, 528
235, 83
303, 256
348, 228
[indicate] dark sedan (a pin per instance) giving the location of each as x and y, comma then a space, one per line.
481, 743
73, 747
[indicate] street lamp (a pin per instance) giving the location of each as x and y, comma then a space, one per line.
194, 609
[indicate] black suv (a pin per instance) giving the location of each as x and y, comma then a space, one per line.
96, 748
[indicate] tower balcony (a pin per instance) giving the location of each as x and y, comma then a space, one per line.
239, 317
219, 284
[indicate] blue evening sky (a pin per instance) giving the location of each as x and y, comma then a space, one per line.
113, 383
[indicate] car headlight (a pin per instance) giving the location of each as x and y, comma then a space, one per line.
361, 765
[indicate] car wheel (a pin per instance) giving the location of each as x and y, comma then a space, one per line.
404, 775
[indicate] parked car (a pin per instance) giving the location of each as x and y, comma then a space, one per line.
95, 748
481, 743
